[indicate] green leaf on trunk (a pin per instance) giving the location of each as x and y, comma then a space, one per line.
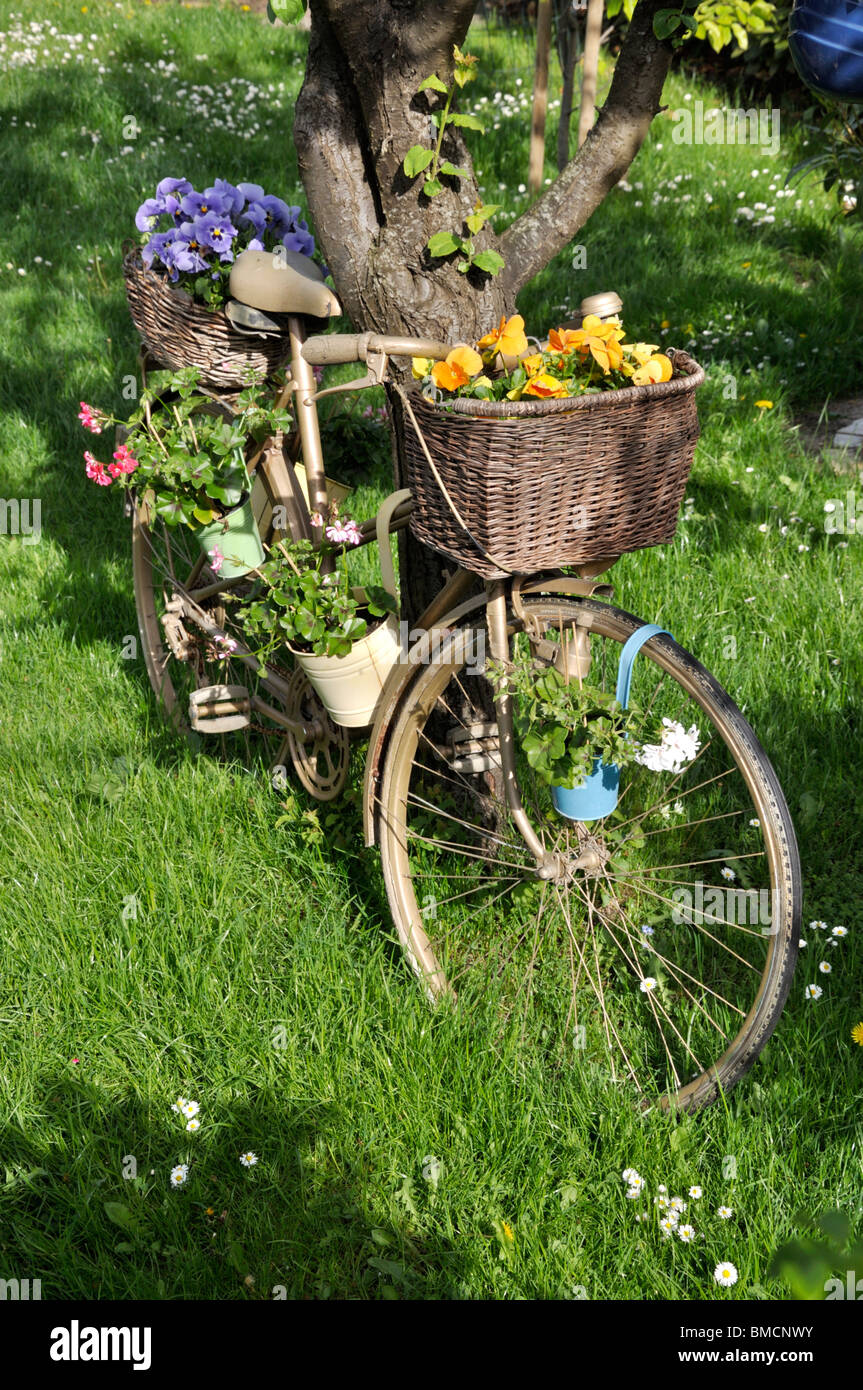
454, 171
443, 244
490, 261
417, 159
467, 122
432, 82
432, 187
288, 11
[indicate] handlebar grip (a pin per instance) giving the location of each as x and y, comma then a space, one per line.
326, 348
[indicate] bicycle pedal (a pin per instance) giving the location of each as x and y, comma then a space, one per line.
217, 709
475, 748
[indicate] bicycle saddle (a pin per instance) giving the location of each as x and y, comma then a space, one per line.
282, 282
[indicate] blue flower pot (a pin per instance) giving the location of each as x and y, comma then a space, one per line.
826, 42
596, 797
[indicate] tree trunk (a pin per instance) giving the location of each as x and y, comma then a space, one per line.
357, 115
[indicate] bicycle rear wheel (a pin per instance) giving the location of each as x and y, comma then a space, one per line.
668, 961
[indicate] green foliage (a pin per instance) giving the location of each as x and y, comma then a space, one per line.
306, 606
288, 11
839, 161
808, 1264
564, 725
446, 243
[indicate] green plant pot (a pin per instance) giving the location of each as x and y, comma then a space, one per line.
237, 537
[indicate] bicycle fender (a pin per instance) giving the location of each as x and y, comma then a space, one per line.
414, 656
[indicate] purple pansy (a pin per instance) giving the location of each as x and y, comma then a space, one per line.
217, 233
148, 214
199, 204
252, 192
188, 251
301, 240
254, 216
170, 191
228, 193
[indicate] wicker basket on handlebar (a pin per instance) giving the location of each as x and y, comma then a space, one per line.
523, 486
178, 332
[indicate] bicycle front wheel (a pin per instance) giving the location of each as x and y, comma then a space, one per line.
667, 961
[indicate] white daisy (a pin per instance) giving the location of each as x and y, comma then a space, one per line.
686, 1233
633, 1192
839, 931
725, 1213
192, 1125
728, 874
695, 1192
818, 926
249, 1159
725, 1274
666, 1225
647, 984
636, 1183
181, 1103
814, 991
677, 1204
629, 1175
662, 1188
802, 943
179, 1174
661, 1202
825, 967
190, 1108
755, 823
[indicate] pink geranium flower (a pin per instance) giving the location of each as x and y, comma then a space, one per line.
96, 470
126, 462
344, 533
91, 418
216, 558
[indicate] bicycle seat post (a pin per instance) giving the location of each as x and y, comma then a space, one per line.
307, 422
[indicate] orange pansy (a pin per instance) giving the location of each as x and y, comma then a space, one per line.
563, 339
458, 368
508, 337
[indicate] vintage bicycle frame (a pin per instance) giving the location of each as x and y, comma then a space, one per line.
453, 603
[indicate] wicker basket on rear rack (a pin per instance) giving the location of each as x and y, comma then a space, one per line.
178, 332
532, 485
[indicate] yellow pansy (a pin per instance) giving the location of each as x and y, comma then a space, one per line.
508, 338
421, 367
533, 363
545, 386
460, 365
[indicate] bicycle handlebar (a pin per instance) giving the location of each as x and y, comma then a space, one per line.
328, 348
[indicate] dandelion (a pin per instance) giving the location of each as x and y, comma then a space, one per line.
179, 1174
728, 874
825, 967
686, 1233
647, 984
839, 931
813, 991
725, 1274
249, 1159
857, 1033
192, 1125
763, 405
724, 1213
695, 1193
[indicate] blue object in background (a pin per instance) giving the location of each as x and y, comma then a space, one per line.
826, 42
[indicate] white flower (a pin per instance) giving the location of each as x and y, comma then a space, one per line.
179, 1174
686, 1233
755, 822
180, 1107
633, 1192
814, 991
677, 747
249, 1159
725, 1213
192, 1125
695, 1193
725, 1274
837, 931
728, 874
190, 1108
662, 1188
825, 967
661, 1202
818, 926
647, 984
678, 1204
667, 1225
629, 1174
802, 943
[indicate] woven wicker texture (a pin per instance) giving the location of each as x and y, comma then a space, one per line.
177, 332
546, 483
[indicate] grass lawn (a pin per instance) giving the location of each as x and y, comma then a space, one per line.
170, 925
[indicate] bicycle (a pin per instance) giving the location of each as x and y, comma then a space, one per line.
596, 939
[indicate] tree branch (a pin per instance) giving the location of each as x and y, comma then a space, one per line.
633, 101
